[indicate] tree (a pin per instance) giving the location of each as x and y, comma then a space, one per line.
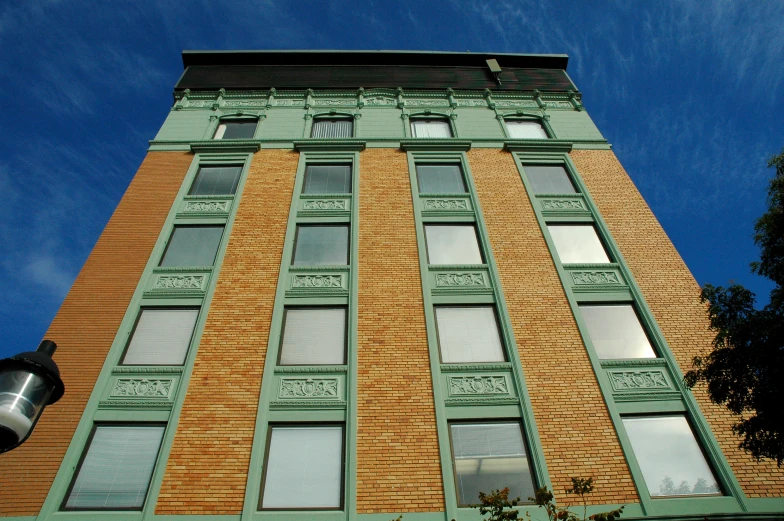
745, 369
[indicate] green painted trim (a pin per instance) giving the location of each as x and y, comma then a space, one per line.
408, 516
539, 145
235, 146
323, 145
435, 144
540, 116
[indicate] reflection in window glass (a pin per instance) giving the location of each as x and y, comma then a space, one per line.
304, 468
490, 456
577, 244
216, 180
525, 129
314, 337
616, 332
327, 179
321, 245
440, 179
452, 245
431, 128
192, 246
236, 129
161, 337
669, 456
549, 179
468, 334
335, 128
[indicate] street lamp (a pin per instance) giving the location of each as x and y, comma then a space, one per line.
28, 382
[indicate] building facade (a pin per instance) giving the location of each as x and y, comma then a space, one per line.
354, 285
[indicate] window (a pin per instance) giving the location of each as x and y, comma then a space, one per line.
669, 456
303, 468
452, 244
468, 335
490, 456
327, 179
216, 180
438, 127
335, 128
192, 246
318, 245
236, 129
525, 129
440, 179
161, 337
616, 331
116, 468
313, 336
578, 244
549, 179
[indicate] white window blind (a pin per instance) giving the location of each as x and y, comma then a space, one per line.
161, 337
314, 337
525, 129
452, 245
304, 468
116, 471
616, 332
578, 244
430, 128
468, 334
549, 179
332, 128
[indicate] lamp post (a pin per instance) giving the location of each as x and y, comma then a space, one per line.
28, 382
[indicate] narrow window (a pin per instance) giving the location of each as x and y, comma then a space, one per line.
116, 468
236, 129
490, 456
578, 244
318, 245
334, 128
192, 246
435, 128
440, 179
314, 336
670, 457
216, 180
468, 334
327, 179
448, 244
161, 337
616, 331
549, 179
303, 468
525, 129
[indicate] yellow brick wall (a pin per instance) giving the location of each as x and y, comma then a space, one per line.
673, 296
398, 467
208, 466
577, 435
86, 324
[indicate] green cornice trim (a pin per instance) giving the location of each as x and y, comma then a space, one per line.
436, 145
539, 145
315, 145
238, 146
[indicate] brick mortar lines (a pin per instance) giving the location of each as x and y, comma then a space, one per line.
673, 296
561, 382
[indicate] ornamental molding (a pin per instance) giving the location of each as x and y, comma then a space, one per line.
538, 145
647, 397
563, 204
427, 103
442, 267
317, 281
651, 362
342, 145
236, 146
485, 400
471, 103
515, 104
586, 278
141, 404
179, 282
146, 370
446, 204
307, 404
320, 204
142, 387
308, 388
435, 144
472, 385
335, 102
206, 206
305, 269
457, 368
460, 279
634, 380
179, 269
312, 369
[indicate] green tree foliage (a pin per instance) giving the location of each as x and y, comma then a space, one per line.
745, 370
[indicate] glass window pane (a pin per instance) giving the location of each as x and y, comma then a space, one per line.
669, 456
549, 179
116, 471
239, 129
332, 128
192, 246
578, 244
321, 245
440, 179
314, 337
161, 337
616, 332
452, 245
431, 128
327, 179
490, 456
304, 468
216, 180
468, 334
525, 129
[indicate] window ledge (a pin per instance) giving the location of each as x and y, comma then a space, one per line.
226, 145
351, 145
538, 145
438, 144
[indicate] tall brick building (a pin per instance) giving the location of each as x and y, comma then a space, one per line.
353, 285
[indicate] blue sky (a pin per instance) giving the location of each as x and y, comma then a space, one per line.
689, 94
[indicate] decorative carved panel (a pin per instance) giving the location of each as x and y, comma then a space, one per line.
633, 380
473, 385
316, 281
563, 204
142, 387
308, 388
207, 206
460, 279
325, 204
445, 204
179, 282
587, 278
